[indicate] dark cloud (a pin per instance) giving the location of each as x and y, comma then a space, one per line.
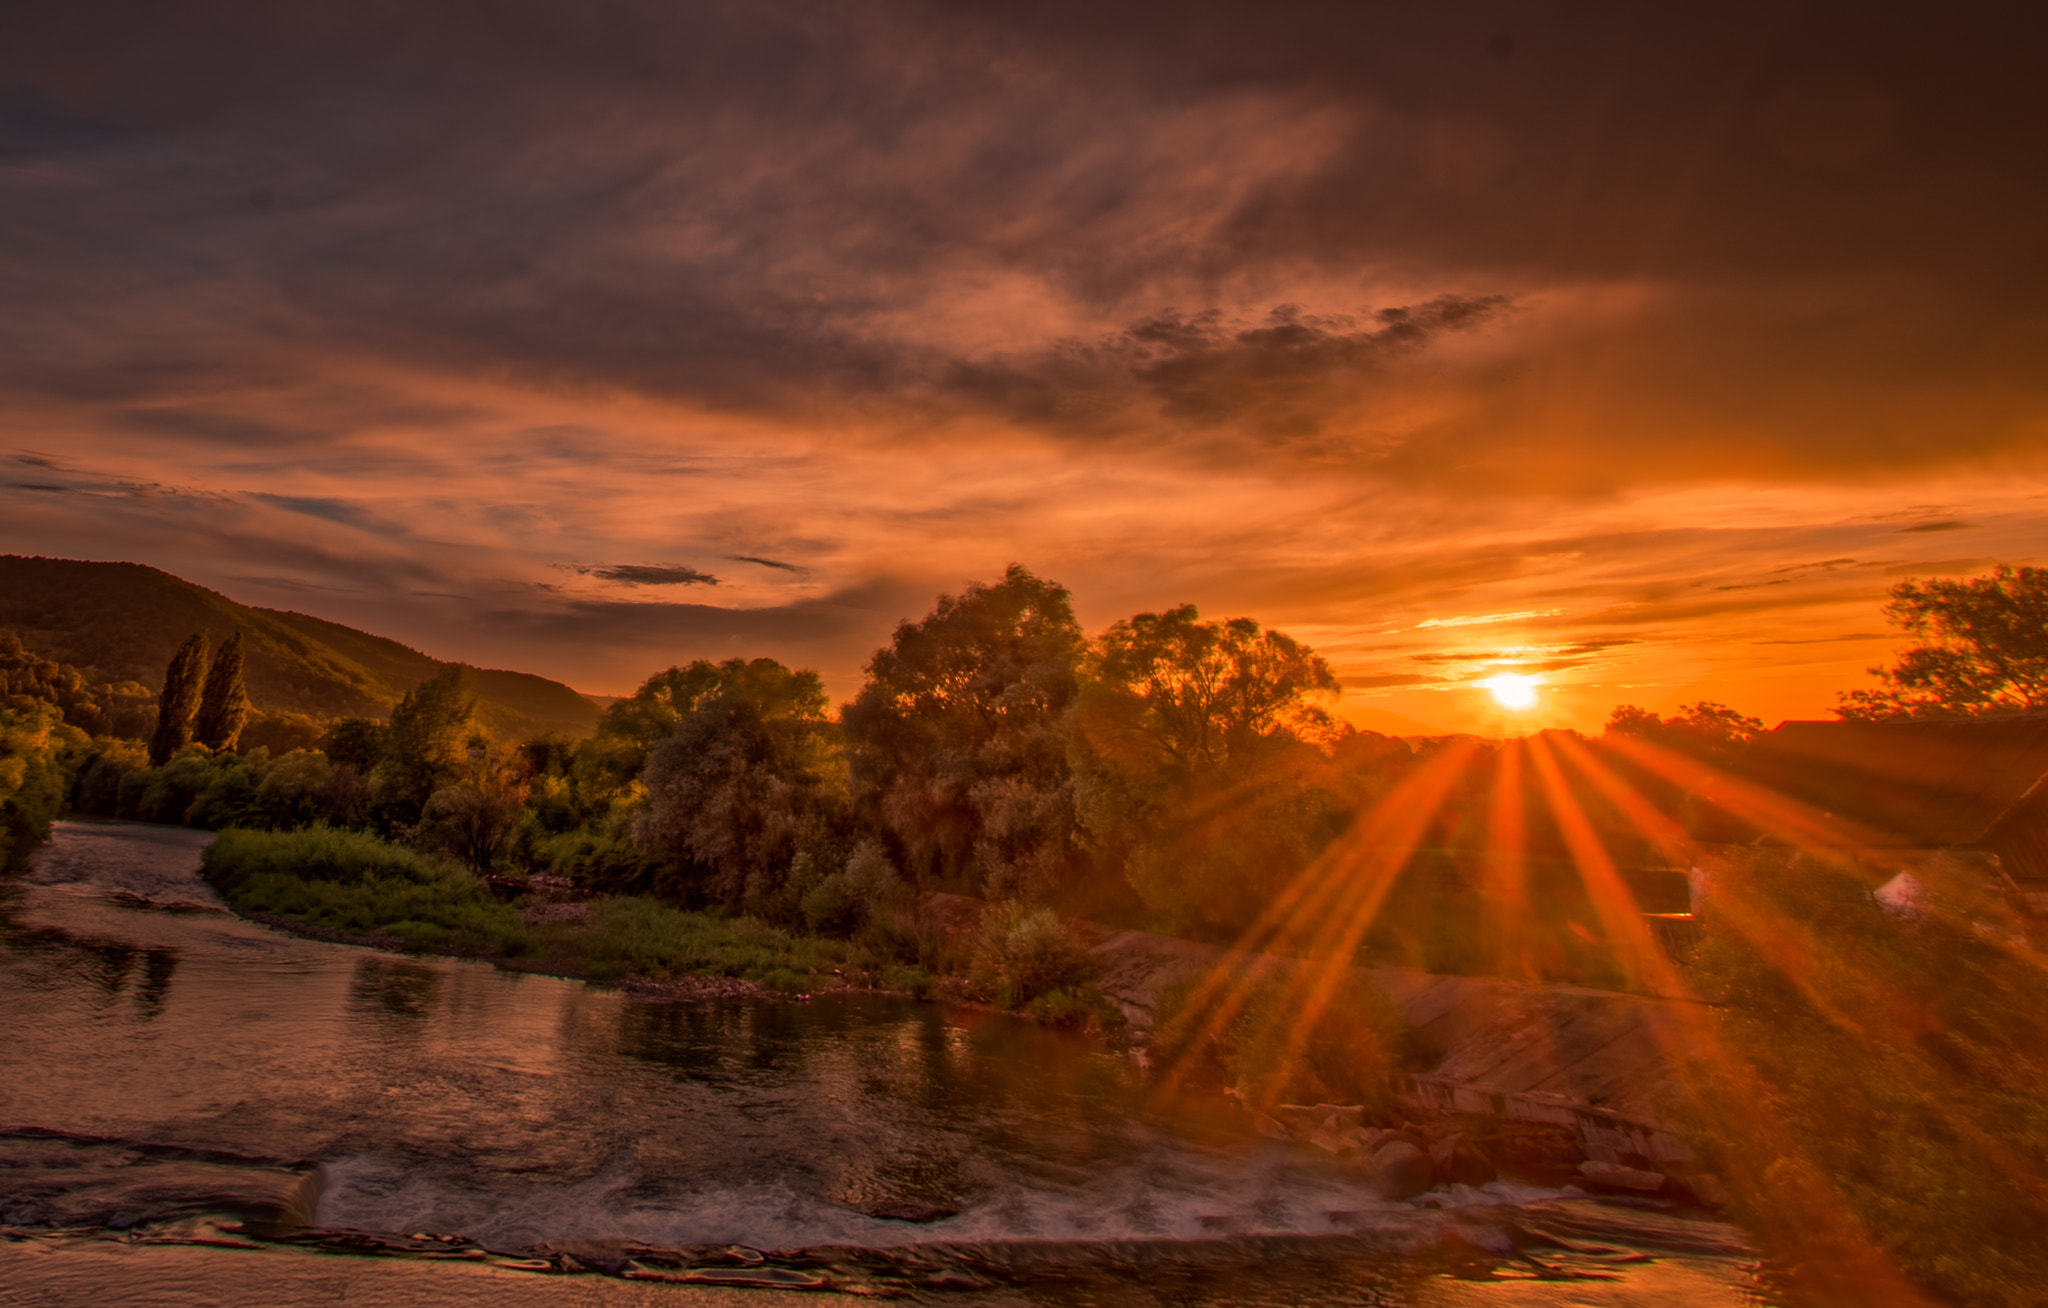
1936, 526
1284, 377
766, 563
651, 574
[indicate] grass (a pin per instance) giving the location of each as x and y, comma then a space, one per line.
352, 884
1874, 1096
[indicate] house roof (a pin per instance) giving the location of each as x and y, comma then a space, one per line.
1929, 782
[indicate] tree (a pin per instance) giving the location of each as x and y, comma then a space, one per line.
358, 743
224, 703
1986, 650
956, 742
1198, 760
179, 700
749, 777
1703, 727
1202, 694
427, 742
474, 818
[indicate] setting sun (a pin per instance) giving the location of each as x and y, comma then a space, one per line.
1512, 690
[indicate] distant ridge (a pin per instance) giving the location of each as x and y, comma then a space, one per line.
122, 622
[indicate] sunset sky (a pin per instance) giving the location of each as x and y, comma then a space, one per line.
1635, 346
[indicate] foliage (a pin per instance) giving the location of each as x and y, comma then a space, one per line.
179, 699
1199, 694
1250, 1033
355, 884
747, 780
956, 743
358, 885
27, 678
474, 819
223, 703
1877, 1078
427, 743
1025, 952
843, 903
1986, 649
38, 757
358, 743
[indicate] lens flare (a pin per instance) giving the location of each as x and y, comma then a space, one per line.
1512, 690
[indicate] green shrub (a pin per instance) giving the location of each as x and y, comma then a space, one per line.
355, 884
320, 853
1068, 1006
848, 900
1025, 952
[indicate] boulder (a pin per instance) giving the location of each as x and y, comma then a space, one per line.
1270, 1127
1457, 1161
1613, 1176
1399, 1170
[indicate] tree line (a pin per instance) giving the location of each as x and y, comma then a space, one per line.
1173, 770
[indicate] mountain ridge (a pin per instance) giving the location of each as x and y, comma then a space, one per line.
121, 622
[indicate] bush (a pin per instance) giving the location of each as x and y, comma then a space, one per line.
353, 883
846, 901
1026, 952
319, 854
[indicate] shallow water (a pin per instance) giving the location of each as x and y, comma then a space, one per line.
174, 1076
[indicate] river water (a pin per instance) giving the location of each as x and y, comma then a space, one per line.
197, 1109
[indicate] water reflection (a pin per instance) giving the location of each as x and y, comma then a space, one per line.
392, 993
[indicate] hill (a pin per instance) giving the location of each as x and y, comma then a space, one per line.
120, 622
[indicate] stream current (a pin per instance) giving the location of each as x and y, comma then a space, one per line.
198, 1109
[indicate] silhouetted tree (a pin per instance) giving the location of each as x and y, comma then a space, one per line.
1201, 694
1986, 650
183, 680
956, 742
1704, 727
224, 703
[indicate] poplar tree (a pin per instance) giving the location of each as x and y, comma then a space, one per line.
180, 698
224, 704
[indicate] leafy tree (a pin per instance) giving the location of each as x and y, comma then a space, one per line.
356, 742
1986, 649
956, 743
1200, 694
38, 758
1199, 761
179, 700
224, 703
748, 778
474, 819
427, 742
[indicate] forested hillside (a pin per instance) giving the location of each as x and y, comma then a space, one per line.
121, 622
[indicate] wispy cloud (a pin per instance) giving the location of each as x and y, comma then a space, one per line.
651, 574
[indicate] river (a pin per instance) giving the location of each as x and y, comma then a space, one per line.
198, 1109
